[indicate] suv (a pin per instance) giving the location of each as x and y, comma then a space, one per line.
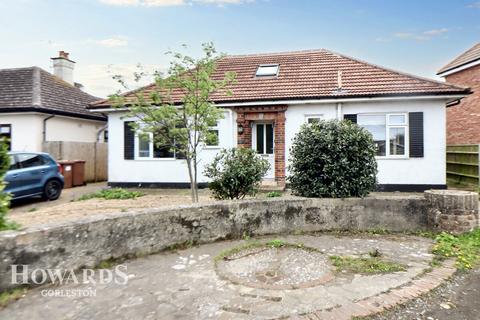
33, 174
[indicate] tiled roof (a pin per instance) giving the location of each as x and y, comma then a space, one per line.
310, 75
34, 89
471, 55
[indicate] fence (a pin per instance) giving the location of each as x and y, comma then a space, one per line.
94, 154
463, 165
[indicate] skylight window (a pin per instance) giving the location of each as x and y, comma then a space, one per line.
267, 70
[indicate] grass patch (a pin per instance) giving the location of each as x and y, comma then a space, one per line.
465, 248
273, 194
112, 194
369, 265
9, 296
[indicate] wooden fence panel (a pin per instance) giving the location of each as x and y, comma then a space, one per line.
94, 154
463, 165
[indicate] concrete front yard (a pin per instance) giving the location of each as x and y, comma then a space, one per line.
191, 283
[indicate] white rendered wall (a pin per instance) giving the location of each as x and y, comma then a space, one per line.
431, 169
26, 130
73, 129
427, 170
159, 170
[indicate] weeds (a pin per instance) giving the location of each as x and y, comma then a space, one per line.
112, 194
465, 248
369, 265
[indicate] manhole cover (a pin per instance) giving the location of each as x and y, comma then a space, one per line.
287, 267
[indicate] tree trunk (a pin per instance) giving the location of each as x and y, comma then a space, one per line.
192, 181
195, 175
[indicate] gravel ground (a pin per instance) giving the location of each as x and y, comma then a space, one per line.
79, 209
458, 299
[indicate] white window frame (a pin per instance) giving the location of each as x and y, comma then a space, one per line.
318, 116
150, 157
388, 126
216, 127
271, 65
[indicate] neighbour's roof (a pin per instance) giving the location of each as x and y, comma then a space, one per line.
36, 90
471, 55
309, 75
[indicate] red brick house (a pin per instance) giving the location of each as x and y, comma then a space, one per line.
463, 119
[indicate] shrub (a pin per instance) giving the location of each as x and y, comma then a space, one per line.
112, 194
4, 197
332, 159
236, 173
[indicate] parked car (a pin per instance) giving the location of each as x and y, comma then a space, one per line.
33, 174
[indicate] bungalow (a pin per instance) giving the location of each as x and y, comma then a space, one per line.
276, 93
37, 106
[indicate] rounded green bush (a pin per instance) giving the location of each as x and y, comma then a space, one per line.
236, 173
332, 159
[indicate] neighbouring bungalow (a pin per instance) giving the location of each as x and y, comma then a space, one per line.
37, 107
276, 93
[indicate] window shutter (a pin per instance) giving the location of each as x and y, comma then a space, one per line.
128, 141
415, 120
351, 117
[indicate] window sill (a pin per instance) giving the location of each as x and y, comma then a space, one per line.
393, 158
158, 159
212, 147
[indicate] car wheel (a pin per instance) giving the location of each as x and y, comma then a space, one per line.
52, 190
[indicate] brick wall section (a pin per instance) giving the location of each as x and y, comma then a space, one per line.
463, 120
276, 114
280, 148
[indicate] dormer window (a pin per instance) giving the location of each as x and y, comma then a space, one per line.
267, 70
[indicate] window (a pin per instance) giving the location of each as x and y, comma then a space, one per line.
213, 136
267, 70
144, 146
148, 148
381, 126
28, 160
6, 134
313, 118
13, 163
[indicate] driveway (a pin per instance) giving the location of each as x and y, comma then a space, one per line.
68, 195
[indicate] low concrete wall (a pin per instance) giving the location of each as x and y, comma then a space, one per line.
87, 242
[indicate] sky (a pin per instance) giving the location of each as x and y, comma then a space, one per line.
108, 37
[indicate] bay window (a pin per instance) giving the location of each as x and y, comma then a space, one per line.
389, 133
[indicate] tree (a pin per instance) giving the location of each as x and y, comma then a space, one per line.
4, 197
178, 112
332, 159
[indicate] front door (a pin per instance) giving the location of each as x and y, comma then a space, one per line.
262, 142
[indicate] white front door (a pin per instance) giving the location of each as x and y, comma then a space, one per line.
263, 142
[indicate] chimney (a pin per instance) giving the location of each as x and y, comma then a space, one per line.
63, 67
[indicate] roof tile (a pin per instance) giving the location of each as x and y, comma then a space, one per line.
309, 75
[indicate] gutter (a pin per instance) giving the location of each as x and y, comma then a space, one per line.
99, 132
450, 98
44, 132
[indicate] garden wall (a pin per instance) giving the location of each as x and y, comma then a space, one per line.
87, 242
